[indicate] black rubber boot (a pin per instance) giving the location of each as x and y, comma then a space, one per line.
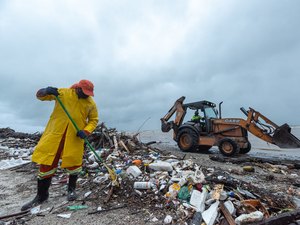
71, 188
42, 194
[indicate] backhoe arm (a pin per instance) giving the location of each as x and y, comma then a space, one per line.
263, 128
180, 112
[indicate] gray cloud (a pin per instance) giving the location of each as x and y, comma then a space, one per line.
142, 56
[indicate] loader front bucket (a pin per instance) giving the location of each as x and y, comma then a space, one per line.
284, 139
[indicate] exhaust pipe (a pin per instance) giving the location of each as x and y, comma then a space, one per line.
220, 112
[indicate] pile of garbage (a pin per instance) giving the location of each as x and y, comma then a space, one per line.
172, 189
16, 147
13, 139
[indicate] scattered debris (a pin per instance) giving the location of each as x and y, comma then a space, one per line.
166, 188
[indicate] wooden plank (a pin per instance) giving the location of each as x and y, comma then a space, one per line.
226, 214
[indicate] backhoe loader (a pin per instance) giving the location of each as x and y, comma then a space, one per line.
229, 134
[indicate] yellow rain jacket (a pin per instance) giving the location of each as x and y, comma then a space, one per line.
84, 113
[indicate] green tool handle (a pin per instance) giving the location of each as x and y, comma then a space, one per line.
77, 129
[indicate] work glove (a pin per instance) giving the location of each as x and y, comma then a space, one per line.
82, 134
52, 91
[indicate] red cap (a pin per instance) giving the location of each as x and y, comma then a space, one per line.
86, 86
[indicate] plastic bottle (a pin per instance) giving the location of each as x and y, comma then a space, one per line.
143, 185
173, 191
197, 219
76, 207
249, 218
161, 166
182, 181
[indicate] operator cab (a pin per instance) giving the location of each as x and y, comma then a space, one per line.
206, 110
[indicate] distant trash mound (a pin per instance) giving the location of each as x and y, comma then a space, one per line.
8, 132
13, 139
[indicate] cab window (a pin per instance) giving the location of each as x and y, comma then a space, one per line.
210, 113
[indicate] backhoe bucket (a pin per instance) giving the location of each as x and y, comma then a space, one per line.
165, 126
284, 139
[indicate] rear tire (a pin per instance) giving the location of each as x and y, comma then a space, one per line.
187, 139
228, 147
246, 150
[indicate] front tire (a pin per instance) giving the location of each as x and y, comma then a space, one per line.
228, 147
187, 140
246, 150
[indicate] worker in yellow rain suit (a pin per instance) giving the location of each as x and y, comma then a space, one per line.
60, 139
196, 117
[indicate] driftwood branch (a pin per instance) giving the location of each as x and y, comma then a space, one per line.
111, 190
14, 214
124, 146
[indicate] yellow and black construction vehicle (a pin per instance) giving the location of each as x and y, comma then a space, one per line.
229, 134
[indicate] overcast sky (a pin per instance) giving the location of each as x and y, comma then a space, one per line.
143, 55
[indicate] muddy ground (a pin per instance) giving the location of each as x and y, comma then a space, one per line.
19, 186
